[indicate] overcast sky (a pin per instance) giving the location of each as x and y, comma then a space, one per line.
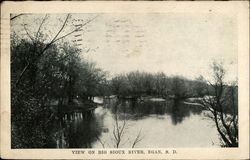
176, 44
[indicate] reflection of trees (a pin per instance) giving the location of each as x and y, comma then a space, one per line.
180, 111
80, 132
134, 110
177, 116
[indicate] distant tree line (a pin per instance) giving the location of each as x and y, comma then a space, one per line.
137, 84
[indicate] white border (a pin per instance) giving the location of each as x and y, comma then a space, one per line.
238, 8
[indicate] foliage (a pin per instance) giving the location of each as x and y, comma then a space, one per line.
138, 84
223, 106
43, 72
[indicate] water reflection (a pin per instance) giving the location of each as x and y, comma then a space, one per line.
169, 120
139, 110
78, 130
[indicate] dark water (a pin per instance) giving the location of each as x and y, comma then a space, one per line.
157, 124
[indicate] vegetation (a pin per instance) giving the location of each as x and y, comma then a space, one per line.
47, 72
223, 106
42, 73
137, 84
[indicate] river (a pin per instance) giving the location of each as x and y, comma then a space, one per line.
155, 124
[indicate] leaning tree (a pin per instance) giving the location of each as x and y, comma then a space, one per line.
221, 101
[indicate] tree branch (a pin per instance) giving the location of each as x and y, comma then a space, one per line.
137, 139
219, 130
75, 29
40, 26
64, 24
42, 52
28, 33
12, 18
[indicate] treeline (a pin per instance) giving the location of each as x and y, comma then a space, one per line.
59, 75
137, 84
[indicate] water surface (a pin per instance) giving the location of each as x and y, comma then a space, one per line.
157, 124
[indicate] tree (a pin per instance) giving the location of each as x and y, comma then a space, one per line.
161, 84
222, 104
120, 126
136, 83
120, 86
91, 79
42, 70
39, 37
200, 87
178, 89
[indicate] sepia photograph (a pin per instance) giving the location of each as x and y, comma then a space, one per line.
113, 80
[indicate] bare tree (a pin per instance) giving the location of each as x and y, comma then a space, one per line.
222, 104
99, 140
118, 134
118, 131
137, 139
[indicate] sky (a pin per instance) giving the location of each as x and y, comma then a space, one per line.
182, 44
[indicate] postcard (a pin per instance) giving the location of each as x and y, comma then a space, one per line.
125, 80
